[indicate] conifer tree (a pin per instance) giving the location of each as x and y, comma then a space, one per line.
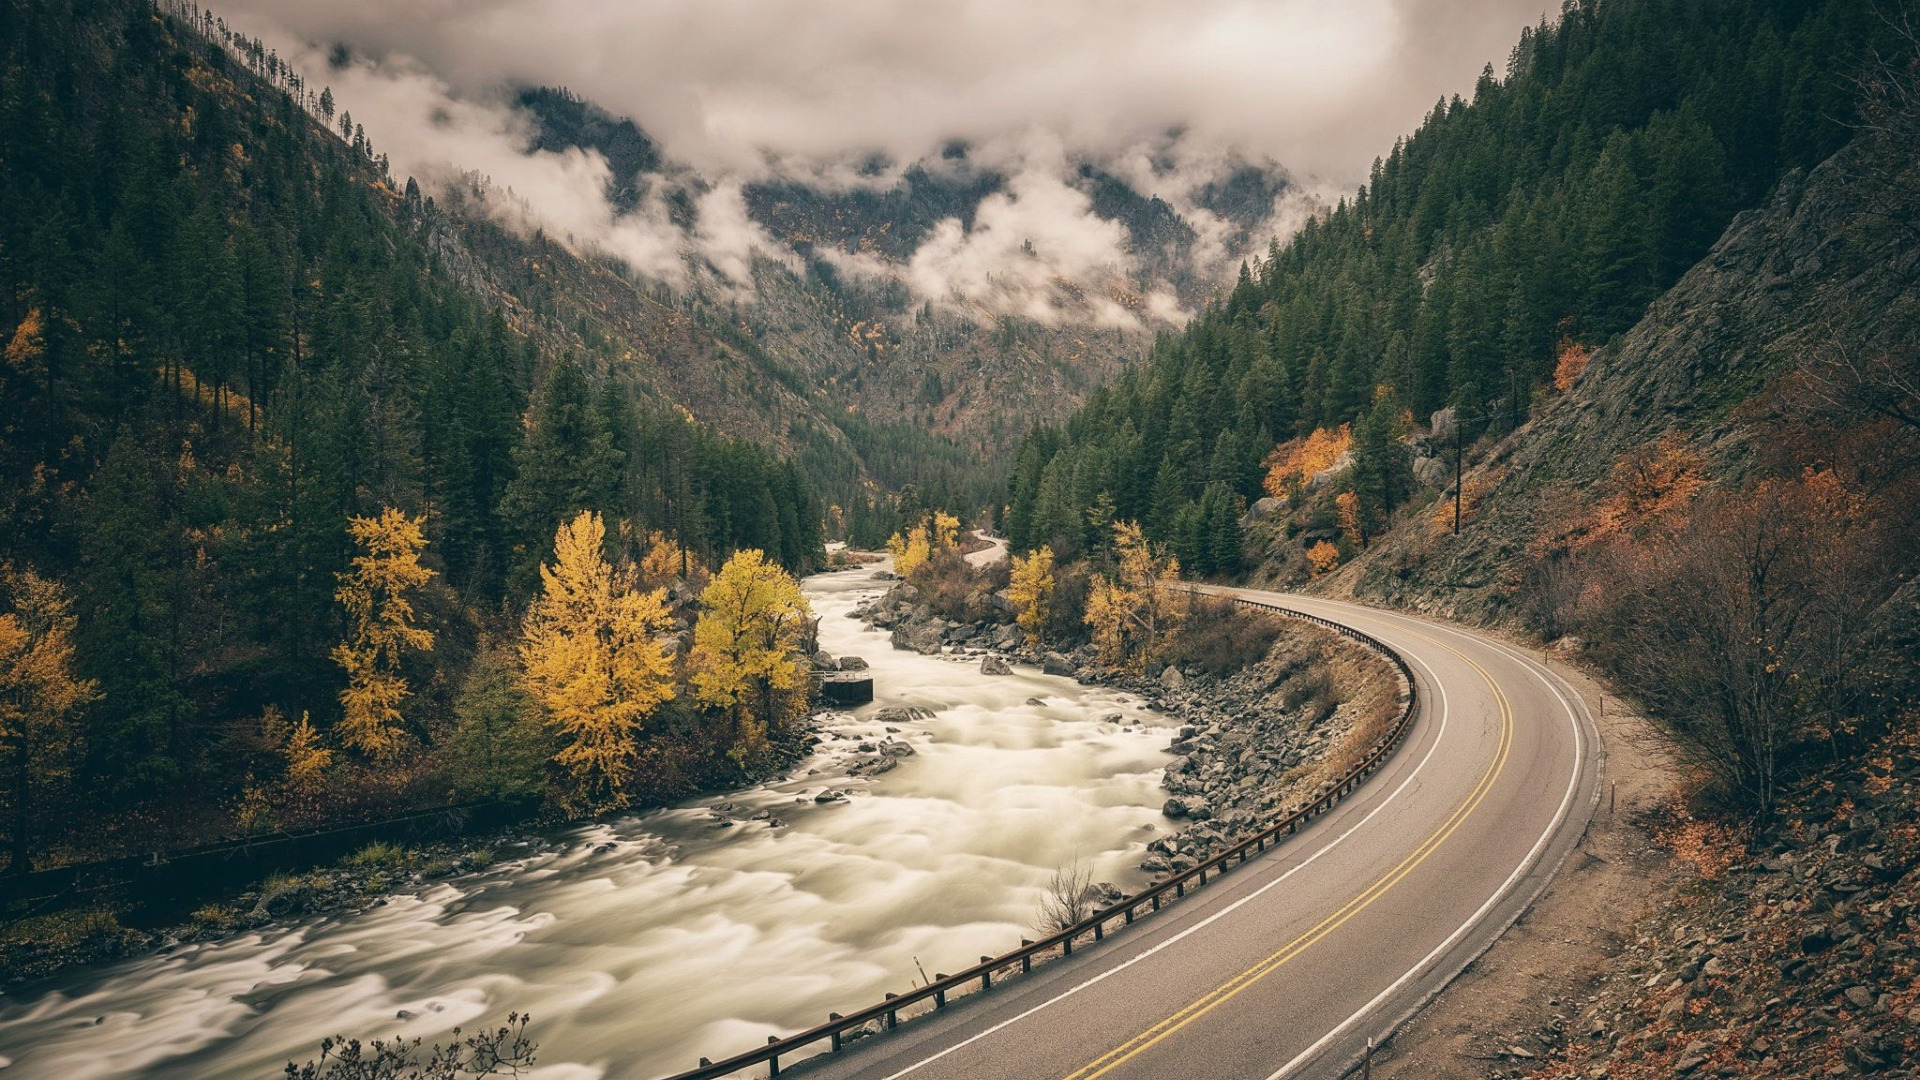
378, 593
38, 692
592, 662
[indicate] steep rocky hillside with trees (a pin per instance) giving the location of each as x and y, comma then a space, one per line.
285, 459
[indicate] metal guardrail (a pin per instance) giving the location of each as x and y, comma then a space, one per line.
836, 1029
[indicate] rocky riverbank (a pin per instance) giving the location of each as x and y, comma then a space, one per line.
1251, 743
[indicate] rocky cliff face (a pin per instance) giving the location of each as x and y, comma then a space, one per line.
1829, 263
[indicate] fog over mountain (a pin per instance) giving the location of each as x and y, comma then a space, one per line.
1170, 100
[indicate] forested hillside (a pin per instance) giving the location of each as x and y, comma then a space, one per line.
1500, 242
258, 431
1620, 353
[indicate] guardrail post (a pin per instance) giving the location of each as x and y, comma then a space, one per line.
1068, 944
1026, 962
986, 977
836, 1031
939, 996
893, 1015
1100, 930
773, 1063
1129, 914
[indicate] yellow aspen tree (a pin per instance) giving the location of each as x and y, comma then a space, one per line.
1149, 574
747, 656
592, 662
910, 552
1107, 605
377, 594
946, 530
38, 691
1134, 614
1030, 587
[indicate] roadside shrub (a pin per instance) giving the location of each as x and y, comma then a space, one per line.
380, 855
1221, 637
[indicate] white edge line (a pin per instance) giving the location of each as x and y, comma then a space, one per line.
1223, 912
1473, 921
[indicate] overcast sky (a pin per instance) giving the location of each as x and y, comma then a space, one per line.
1321, 86
741, 89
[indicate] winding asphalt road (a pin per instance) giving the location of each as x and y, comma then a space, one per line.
1287, 965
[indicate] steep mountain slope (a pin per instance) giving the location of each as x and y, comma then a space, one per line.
841, 294
1824, 270
232, 346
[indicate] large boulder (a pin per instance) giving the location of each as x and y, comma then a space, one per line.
853, 663
1261, 510
1055, 664
993, 665
920, 637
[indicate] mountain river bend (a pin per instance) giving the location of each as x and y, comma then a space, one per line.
645, 941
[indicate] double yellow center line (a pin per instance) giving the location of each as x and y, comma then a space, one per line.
1226, 991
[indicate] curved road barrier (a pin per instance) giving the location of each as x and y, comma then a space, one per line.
1379, 901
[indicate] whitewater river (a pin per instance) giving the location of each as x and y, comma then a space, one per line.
642, 943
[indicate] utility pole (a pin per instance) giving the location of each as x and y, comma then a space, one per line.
1459, 422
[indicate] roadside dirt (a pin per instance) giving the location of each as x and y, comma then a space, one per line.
1487, 1021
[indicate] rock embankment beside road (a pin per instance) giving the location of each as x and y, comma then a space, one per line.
1792, 953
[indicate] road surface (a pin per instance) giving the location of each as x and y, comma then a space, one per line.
1285, 967
987, 556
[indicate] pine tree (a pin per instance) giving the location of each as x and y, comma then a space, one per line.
378, 593
566, 464
38, 692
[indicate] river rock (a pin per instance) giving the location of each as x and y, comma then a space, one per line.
1055, 664
921, 637
1172, 679
824, 661
853, 663
993, 665
903, 714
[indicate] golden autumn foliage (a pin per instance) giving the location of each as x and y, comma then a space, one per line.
1649, 484
1134, 613
590, 660
747, 648
28, 343
1294, 462
1347, 504
1473, 492
663, 560
910, 552
946, 530
1571, 360
1324, 557
300, 747
38, 691
377, 593
1030, 587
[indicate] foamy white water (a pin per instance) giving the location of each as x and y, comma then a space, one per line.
645, 942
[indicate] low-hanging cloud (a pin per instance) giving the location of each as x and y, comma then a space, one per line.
745, 89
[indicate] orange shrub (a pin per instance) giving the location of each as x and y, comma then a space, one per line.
1573, 361
1324, 557
1295, 461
